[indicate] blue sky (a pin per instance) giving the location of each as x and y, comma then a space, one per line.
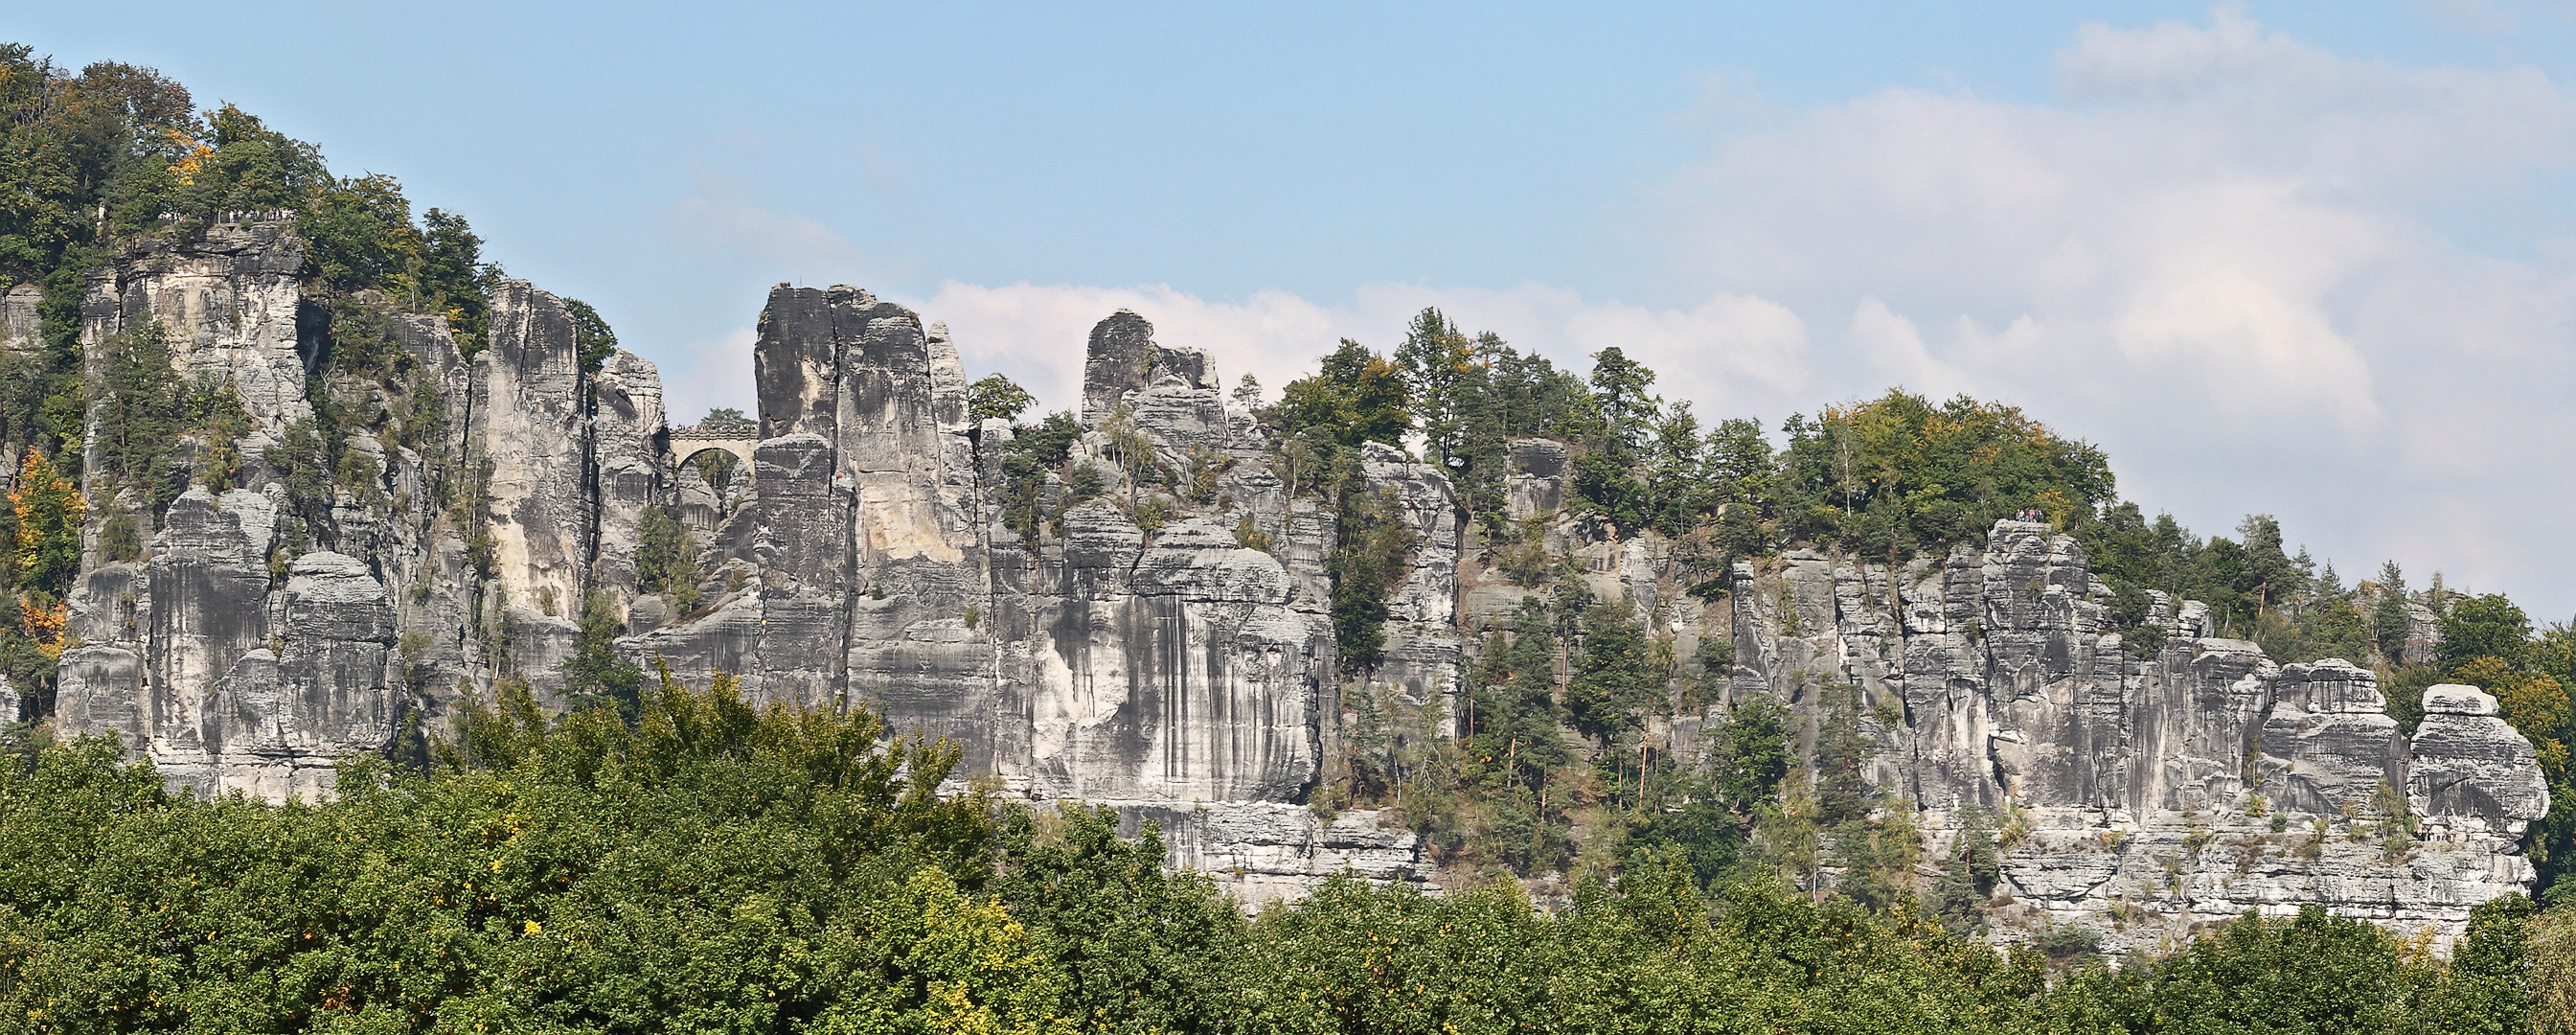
2316, 260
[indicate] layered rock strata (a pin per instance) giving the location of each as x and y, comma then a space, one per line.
1165, 644
263, 635
2142, 792
1140, 652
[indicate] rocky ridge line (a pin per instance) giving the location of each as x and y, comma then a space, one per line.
1184, 672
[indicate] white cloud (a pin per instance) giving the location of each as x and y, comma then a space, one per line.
1037, 334
1727, 353
1893, 345
1731, 350
2220, 256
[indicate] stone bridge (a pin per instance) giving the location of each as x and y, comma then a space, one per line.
688, 442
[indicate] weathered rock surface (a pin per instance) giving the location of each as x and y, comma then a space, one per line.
230, 305
20, 321
529, 454
1267, 851
1422, 653
1536, 485
260, 640
1120, 354
228, 681
2156, 792
1169, 671
2472, 777
1167, 646
631, 446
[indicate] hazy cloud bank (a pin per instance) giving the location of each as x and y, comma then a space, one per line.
2231, 258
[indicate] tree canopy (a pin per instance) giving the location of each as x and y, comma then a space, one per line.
703, 863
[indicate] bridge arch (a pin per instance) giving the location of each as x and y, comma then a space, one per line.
686, 448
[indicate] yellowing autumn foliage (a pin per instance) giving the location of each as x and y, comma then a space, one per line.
50, 511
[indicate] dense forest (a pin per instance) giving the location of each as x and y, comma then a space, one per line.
661, 856
712, 866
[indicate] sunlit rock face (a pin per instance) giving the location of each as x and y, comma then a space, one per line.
2142, 794
263, 636
1165, 647
1166, 644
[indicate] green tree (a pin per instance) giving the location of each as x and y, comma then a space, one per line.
1614, 685
1142, 948
141, 409
1533, 397
2311, 973
2390, 621
1514, 745
305, 462
2487, 626
1033, 453
451, 279
1750, 754
1739, 459
1443, 381
666, 558
1356, 396
1678, 488
1969, 873
1843, 751
996, 397
1896, 474
358, 234
2549, 956
1606, 483
593, 340
2487, 988
250, 168
596, 676
1372, 555
1619, 393
711, 865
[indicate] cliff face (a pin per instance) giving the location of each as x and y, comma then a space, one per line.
1164, 645
263, 636
2155, 791
1176, 672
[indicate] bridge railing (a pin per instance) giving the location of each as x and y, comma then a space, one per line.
711, 429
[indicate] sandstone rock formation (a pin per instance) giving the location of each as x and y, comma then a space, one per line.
2146, 793
1165, 645
263, 637
1176, 672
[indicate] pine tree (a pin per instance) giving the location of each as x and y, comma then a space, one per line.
2390, 620
1440, 374
1619, 390
1614, 682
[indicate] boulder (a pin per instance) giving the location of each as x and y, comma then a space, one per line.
2472, 775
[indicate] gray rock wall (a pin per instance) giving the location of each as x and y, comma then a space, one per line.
1120, 354
1167, 646
230, 305
253, 646
2153, 793
1168, 671
630, 447
529, 430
